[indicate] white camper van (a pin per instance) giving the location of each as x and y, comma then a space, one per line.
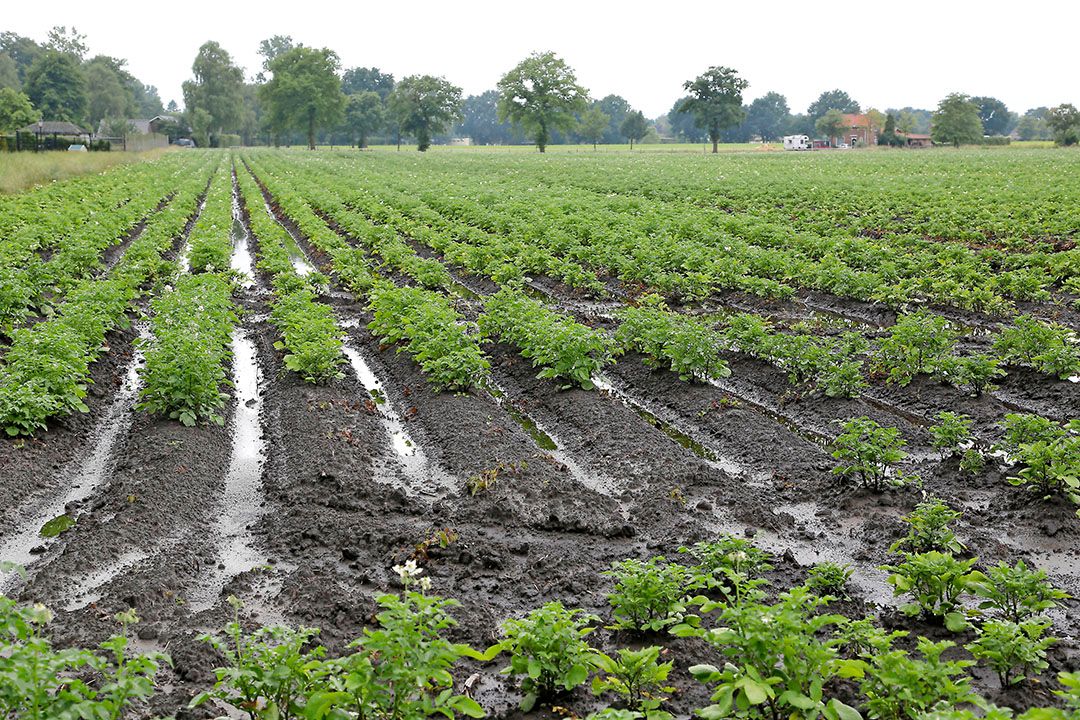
797, 142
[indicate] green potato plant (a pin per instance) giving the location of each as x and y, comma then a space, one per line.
937, 581
867, 451
1014, 651
648, 595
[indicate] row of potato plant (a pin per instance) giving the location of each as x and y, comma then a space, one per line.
302, 188
765, 205
566, 350
46, 369
424, 324
310, 337
419, 321
193, 319
31, 283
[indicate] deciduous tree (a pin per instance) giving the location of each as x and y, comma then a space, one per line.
956, 121
480, 120
423, 106
15, 110
832, 100
715, 101
216, 89
634, 127
541, 94
995, 116
9, 72
831, 124
768, 116
683, 124
361, 79
593, 124
365, 114
304, 92
1064, 120
57, 87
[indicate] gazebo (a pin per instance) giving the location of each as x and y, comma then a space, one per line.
55, 129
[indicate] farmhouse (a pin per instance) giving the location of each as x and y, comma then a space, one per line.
860, 131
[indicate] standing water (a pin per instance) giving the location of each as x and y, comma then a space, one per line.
241, 502
85, 476
421, 475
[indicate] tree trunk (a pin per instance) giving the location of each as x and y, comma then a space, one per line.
363, 142
716, 146
311, 132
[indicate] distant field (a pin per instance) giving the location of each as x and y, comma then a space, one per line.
19, 171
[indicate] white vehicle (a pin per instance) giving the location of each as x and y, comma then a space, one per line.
797, 142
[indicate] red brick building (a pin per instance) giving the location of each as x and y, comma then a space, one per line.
859, 131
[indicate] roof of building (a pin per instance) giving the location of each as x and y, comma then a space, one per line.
855, 120
53, 127
913, 136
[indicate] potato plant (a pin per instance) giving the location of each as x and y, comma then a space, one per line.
565, 350
310, 337
689, 347
425, 325
190, 343
47, 367
867, 451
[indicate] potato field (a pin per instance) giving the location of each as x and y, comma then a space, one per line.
383, 435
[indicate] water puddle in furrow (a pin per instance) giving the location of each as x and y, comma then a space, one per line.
666, 426
240, 503
870, 583
297, 257
547, 442
241, 260
85, 475
422, 477
766, 409
88, 590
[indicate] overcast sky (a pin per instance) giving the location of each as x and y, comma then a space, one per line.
885, 54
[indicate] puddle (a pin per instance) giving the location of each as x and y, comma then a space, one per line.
241, 260
421, 475
868, 582
652, 416
548, 443
85, 474
765, 408
85, 591
240, 505
299, 260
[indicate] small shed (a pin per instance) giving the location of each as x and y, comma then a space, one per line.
915, 140
49, 132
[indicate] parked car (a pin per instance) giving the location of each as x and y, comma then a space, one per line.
184, 143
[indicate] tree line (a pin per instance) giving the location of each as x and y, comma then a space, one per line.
302, 94
56, 80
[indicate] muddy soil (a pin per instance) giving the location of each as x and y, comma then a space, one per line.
509, 496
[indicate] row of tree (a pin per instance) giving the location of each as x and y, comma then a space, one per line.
55, 80
301, 92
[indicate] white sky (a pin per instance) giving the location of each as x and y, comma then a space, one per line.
885, 54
